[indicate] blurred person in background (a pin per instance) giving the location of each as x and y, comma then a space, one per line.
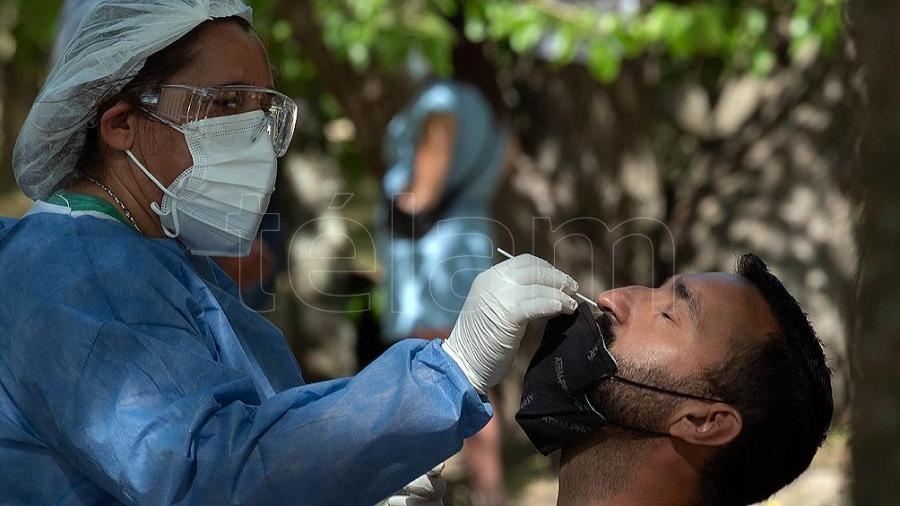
129, 370
445, 151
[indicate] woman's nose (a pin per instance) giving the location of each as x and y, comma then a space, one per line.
617, 302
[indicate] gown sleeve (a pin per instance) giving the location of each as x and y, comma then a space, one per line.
148, 414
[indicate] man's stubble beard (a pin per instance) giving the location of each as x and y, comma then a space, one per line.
633, 407
598, 466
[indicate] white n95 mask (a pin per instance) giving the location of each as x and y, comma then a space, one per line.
215, 206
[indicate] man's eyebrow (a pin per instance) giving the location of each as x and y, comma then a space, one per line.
683, 292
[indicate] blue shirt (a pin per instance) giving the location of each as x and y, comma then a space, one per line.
427, 279
131, 373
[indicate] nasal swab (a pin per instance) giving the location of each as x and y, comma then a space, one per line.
582, 297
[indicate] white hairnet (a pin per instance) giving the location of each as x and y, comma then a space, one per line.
108, 49
73, 11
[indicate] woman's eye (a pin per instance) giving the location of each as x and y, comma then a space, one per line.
226, 104
667, 316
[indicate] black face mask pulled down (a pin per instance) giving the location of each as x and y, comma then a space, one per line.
570, 360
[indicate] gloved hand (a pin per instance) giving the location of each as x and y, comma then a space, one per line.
501, 303
426, 490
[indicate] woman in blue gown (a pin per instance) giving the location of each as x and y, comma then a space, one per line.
130, 371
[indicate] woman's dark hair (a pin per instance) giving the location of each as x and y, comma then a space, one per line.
158, 69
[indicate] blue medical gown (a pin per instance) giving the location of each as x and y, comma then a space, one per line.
131, 373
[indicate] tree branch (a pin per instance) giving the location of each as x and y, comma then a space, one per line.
367, 98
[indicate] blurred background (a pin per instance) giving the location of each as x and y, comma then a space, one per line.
651, 138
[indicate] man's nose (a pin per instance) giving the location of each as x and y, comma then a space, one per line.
618, 302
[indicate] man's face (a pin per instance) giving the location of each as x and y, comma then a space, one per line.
685, 327
672, 337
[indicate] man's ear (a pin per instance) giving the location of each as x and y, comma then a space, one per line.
706, 424
118, 126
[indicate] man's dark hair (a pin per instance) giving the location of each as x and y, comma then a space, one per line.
782, 389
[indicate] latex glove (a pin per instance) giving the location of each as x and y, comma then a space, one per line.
501, 303
426, 490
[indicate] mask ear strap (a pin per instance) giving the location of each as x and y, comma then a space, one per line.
661, 390
171, 235
586, 397
154, 206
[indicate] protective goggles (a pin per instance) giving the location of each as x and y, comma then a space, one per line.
177, 105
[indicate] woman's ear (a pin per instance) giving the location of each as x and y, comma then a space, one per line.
117, 126
706, 424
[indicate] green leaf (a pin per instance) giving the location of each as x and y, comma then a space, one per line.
603, 63
763, 61
654, 24
281, 31
475, 30
799, 27
359, 55
679, 34
755, 22
526, 36
500, 19
563, 43
709, 30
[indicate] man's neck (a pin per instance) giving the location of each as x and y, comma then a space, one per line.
622, 471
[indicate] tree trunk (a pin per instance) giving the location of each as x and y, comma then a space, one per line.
876, 414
